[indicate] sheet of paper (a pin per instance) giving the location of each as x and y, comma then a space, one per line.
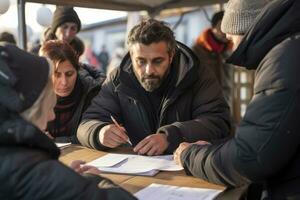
109, 160
62, 145
167, 192
135, 164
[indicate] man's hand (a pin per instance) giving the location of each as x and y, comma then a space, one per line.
111, 136
152, 145
179, 150
182, 147
79, 167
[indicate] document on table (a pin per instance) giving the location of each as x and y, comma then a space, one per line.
135, 164
167, 192
62, 145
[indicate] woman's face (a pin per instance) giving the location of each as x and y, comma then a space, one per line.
64, 78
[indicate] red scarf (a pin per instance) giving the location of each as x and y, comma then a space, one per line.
207, 40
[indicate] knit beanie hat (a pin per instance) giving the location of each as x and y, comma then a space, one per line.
240, 15
64, 14
23, 76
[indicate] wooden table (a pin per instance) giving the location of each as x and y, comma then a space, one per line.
134, 183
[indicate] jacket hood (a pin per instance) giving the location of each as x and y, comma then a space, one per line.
15, 131
279, 20
185, 58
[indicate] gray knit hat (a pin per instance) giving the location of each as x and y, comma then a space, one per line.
240, 15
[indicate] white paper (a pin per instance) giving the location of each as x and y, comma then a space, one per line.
62, 145
135, 164
167, 192
108, 160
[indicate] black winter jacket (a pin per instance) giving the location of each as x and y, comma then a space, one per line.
265, 149
30, 170
194, 110
90, 88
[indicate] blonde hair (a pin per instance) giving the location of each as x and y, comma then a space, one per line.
45, 100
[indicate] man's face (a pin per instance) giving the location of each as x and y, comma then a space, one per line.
218, 33
67, 31
151, 63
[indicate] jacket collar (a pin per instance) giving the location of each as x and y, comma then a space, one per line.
277, 21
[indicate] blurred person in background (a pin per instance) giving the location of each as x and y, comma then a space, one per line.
213, 48
7, 37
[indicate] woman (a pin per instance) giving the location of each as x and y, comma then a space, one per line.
74, 89
29, 165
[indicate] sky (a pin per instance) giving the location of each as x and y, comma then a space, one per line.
9, 20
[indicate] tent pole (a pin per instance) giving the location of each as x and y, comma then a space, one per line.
22, 40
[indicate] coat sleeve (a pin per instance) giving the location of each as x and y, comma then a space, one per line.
97, 115
210, 114
52, 180
268, 136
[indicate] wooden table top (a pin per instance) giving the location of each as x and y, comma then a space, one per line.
134, 183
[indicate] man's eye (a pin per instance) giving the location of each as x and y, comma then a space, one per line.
157, 62
141, 62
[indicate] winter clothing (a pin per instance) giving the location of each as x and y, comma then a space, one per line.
30, 169
29, 159
64, 14
192, 107
212, 54
68, 110
26, 88
264, 155
240, 15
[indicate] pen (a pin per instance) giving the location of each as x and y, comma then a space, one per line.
118, 125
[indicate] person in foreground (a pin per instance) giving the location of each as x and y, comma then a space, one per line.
262, 161
29, 159
160, 94
73, 87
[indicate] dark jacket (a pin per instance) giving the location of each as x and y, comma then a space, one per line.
89, 88
195, 109
30, 170
265, 149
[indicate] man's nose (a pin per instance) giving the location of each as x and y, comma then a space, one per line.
149, 69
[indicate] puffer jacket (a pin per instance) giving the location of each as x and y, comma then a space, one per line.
30, 168
264, 156
194, 110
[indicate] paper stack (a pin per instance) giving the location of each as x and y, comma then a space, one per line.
135, 164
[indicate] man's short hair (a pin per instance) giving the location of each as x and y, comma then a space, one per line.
217, 17
152, 31
7, 37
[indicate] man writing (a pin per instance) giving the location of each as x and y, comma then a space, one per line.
160, 94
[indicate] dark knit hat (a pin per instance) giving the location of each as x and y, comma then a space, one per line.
240, 15
217, 17
23, 76
64, 14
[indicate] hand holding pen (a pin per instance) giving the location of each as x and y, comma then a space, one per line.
120, 127
113, 135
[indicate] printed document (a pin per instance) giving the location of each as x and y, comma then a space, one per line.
168, 192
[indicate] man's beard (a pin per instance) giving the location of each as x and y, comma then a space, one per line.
150, 82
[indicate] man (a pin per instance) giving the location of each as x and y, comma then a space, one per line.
212, 48
160, 94
7, 37
103, 58
262, 161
